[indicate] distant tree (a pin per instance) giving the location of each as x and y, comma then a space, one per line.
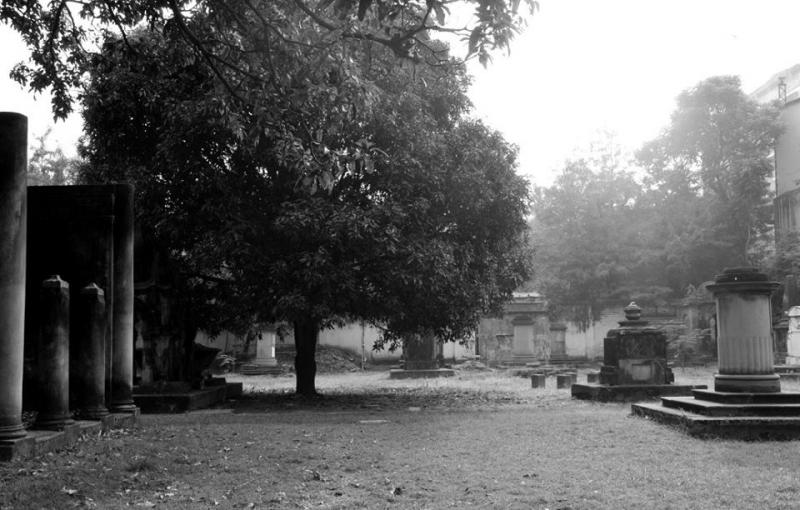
359, 191
588, 235
708, 174
48, 166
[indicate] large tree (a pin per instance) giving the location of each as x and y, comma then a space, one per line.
591, 236
709, 175
61, 34
349, 188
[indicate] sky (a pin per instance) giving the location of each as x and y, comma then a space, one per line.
580, 67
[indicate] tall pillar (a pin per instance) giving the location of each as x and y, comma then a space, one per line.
92, 359
122, 357
53, 355
744, 320
13, 235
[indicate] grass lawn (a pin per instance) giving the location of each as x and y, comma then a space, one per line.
480, 439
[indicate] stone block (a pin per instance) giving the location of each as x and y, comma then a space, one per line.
538, 380
564, 381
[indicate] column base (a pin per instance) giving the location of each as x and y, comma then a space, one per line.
15, 431
747, 383
53, 422
94, 413
123, 407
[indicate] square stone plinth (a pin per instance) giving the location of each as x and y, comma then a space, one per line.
179, 398
748, 416
628, 392
38, 442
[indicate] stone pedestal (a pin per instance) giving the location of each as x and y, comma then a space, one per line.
122, 355
422, 354
744, 319
265, 362
747, 402
634, 364
53, 356
91, 338
13, 235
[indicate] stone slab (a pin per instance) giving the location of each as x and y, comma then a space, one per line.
750, 428
747, 398
629, 392
156, 403
400, 373
252, 369
711, 408
38, 442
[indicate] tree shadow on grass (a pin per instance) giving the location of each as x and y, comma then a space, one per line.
378, 399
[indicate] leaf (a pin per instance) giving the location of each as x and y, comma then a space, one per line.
474, 37
440, 10
363, 5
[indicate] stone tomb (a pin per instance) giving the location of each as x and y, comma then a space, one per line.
634, 364
265, 362
747, 402
791, 369
84, 234
422, 354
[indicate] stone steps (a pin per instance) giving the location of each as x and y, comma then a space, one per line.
739, 427
719, 409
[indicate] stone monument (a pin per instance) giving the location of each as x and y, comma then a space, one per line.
265, 362
747, 401
422, 354
634, 364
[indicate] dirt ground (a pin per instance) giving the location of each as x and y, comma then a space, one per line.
481, 439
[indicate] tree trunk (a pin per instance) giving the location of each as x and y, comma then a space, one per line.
306, 334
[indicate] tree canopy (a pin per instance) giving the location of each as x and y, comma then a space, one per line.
696, 200
355, 189
62, 35
709, 173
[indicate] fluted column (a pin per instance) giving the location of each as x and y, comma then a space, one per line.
744, 321
13, 235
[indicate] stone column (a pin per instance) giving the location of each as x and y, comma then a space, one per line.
523, 336
122, 364
53, 355
91, 313
13, 235
744, 320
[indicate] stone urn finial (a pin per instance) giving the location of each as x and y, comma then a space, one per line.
632, 312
